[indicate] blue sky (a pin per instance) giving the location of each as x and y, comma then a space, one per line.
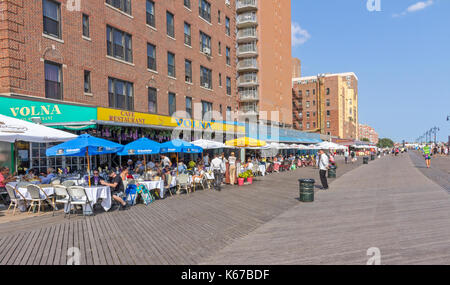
401, 55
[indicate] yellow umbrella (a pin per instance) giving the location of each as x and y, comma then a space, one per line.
246, 142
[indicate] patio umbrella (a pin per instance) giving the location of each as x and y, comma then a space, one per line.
180, 146
245, 142
12, 130
84, 145
206, 144
142, 146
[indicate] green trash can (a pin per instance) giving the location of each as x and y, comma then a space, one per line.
365, 160
332, 171
307, 190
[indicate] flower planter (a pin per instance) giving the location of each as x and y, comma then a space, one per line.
250, 180
241, 181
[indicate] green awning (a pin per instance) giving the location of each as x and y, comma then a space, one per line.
75, 128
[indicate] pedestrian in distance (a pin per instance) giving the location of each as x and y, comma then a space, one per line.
216, 167
346, 154
324, 164
427, 155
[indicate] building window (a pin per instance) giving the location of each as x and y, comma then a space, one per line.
187, 4
205, 43
171, 64
228, 51
307, 93
86, 32
328, 113
188, 71
119, 44
220, 48
206, 110
170, 24
314, 125
150, 13
307, 126
328, 103
187, 34
219, 20
228, 86
120, 94
314, 114
205, 77
228, 114
314, 102
220, 79
314, 91
87, 81
189, 107
122, 5
328, 91
52, 18
307, 104
53, 81
152, 100
227, 26
172, 103
328, 124
204, 10
151, 57
307, 115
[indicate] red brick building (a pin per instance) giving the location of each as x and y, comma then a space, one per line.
327, 104
367, 132
123, 54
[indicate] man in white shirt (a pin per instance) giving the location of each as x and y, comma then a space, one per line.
324, 163
216, 167
165, 161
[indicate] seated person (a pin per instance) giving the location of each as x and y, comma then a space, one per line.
117, 189
150, 165
181, 168
95, 180
30, 175
199, 174
249, 165
49, 177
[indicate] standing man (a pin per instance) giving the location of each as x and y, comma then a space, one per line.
346, 154
206, 160
324, 163
165, 161
427, 154
352, 154
232, 161
216, 167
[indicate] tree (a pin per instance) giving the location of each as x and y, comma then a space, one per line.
386, 142
365, 140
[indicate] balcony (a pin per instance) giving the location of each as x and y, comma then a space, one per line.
247, 35
248, 95
244, 81
246, 20
246, 5
247, 65
247, 51
249, 110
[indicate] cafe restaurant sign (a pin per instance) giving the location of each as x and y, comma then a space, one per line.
129, 117
49, 112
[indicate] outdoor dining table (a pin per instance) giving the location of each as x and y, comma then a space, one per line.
150, 185
49, 190
95, 193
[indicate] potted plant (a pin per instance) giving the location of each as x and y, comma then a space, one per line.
249, 176
241, 178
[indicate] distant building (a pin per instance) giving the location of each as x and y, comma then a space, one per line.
368, 132
296, 68
327, 104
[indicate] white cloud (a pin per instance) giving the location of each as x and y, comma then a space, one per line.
415, 7
299, 35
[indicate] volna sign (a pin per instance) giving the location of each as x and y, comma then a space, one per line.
193, 124
48, 110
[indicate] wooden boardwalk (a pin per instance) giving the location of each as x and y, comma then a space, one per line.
388, 204
185, 229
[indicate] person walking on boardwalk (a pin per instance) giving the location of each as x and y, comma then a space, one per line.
346, 156
232, 161
324, 164
427, 154
216, 167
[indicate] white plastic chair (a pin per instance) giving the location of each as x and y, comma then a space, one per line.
14, 197
56, 181
62, 197
183, 183
78, 196
68, 183
35, 194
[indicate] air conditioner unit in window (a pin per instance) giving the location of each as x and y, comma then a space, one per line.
205, 85
207, 50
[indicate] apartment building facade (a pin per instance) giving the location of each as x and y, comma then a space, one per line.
326, 104
367, 132
145, 56
264, 61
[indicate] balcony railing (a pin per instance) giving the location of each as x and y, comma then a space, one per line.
247, 81
247, 34
247, 50
247, 18
248, 95
242, 5
247, 64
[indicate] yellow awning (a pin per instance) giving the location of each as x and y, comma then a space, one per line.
246, 142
